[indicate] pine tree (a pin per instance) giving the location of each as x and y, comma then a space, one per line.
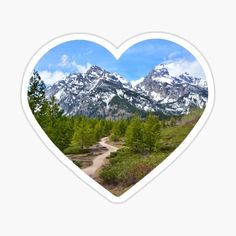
151, 132
36, 93
58, 127
122, 127
48, 114
62, 132
98, 130
134, 134
38, 103
116, 132
83, 134
107, 127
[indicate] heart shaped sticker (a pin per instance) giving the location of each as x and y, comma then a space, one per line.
117, 117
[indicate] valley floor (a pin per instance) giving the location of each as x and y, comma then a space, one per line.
117, 168
99, 161
92, 161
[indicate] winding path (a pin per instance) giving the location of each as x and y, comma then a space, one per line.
99, 160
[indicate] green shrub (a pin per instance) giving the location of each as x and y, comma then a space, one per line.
127, 168
112, 155
78, 163
75, 150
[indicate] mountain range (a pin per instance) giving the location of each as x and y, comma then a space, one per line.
100, 93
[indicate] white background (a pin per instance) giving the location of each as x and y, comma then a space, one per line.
194, 196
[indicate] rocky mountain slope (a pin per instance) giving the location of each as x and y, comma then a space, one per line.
99, 93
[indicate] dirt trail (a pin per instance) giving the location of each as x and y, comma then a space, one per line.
99, 160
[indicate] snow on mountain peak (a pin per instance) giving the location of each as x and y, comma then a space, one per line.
95, 71
120, 78
160, 71
94, 68
136, 82
159, 66
98, 92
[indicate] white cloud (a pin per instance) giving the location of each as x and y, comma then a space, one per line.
51, 77
64, 61
81, 68
177, 67
173, 55
67, 63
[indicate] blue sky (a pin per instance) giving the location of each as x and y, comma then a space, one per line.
136, 62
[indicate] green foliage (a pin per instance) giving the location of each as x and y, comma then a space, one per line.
123, 124
83, 134
86, 132
107, 127
75, 150
98, 130
142, 136
151, 132
36, 93
134, 134
56, 126
48, 114
78, 163
62, 131
147, 141
119, 129
116, 132
127, 168
172, 136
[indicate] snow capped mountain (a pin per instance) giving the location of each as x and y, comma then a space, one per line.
175, 95
99, 93
136, 82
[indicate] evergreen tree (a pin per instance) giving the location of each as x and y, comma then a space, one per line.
116, 132
107, 127
98, 130
134, 134
83, 135
122, 127
36, 93
48, 114
57, 126
151, 132
62, 132
38, 103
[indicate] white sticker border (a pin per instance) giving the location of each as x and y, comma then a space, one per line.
117, 52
